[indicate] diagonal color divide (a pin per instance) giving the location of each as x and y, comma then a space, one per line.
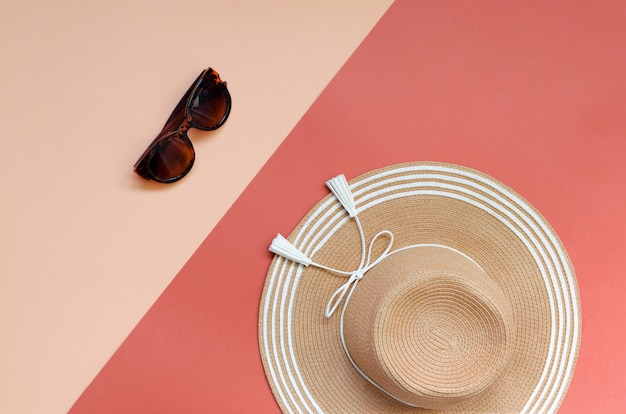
532, 94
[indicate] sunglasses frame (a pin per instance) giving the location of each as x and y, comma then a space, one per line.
180, 121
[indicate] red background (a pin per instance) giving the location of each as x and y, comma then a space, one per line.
531, 93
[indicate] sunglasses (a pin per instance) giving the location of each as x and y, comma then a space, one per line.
205, 106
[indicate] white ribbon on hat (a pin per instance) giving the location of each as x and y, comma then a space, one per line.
358, 274
282, 247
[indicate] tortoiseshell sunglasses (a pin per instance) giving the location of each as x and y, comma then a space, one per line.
206, 106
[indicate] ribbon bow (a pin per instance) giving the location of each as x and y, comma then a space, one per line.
281, 246
365, 265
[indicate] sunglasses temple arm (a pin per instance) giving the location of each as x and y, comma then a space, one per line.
178, 113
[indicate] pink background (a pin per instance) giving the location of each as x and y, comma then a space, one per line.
532, 94
86, 246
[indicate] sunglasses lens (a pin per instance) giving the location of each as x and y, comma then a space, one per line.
211, 106
171, 159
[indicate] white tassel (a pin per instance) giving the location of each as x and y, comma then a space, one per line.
341, 190
282, 247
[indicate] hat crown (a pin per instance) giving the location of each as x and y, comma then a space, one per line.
430, 327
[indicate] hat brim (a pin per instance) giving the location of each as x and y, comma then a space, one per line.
422, 203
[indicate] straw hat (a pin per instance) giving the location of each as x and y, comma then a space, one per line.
420, 287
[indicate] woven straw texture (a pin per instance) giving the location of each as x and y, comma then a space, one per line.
429, 326
430, 204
